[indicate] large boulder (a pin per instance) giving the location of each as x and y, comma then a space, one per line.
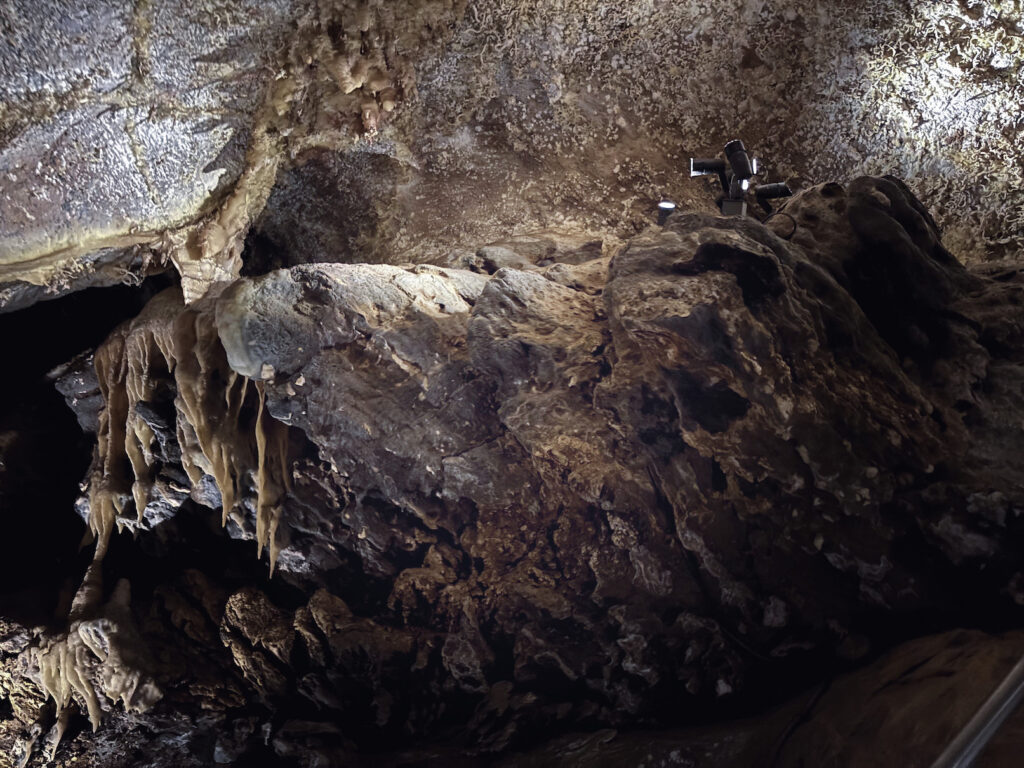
600, 493
137, 135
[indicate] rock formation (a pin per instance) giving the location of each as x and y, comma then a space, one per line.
355, 413
582, 491
114, 165
136, 135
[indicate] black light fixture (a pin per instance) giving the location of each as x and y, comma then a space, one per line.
736, 154
766, 192
735, 174
704, 166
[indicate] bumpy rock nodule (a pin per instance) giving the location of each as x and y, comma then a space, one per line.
582, 493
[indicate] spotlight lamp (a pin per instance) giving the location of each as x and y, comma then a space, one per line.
739, 160
701, 166
736, 173
665, 209
766, 192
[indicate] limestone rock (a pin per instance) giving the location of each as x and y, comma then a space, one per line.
903, 709
134, 136
156, 133
120, 121
736, 434
900, 710
603, 494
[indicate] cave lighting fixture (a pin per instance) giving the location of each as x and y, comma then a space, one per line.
736, 173
665, 209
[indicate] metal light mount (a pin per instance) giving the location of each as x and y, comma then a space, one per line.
735, 174
710, 166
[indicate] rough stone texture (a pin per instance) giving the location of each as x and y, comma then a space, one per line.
776, 406
555, 489
579, 115
522, 465
136, 134
897, 711
120, 120
900, 710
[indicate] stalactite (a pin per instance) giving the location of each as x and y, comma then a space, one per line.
222, 430
271, 445
215, 427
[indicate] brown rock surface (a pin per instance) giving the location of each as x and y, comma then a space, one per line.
593, 493
900, 710
536, 483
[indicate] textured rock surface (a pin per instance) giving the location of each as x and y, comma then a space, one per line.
121, 120
549, 489
133, 134
577, 111
515, 475
137, 134
899, 710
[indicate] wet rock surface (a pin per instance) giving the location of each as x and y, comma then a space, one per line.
557, 486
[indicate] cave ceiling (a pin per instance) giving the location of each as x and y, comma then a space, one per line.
135, 135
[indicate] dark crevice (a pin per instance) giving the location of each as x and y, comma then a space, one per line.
43, 452
713, 406
757, 275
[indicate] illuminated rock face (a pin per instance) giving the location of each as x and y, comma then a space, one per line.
120, 121
505, 502
136, 135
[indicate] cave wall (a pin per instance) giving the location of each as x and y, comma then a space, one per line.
383, 507
510, 462
568, 112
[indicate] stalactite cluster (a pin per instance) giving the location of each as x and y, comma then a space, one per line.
218, 420
169, 397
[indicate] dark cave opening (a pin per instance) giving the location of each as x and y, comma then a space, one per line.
331, 208
44, 454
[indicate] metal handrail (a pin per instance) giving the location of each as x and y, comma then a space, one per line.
972, 739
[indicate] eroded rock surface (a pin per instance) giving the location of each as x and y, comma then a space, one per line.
138, 135
900, 710
547, 488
